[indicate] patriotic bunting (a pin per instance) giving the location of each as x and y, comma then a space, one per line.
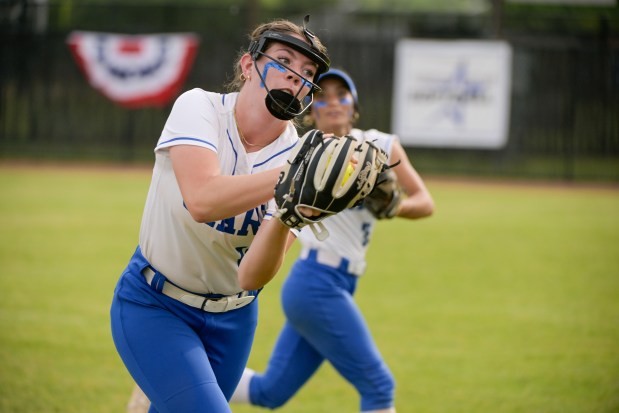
135, 70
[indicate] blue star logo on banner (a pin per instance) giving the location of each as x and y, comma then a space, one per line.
455, 93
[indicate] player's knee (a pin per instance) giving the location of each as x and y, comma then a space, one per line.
379, 391
271, 401
275, 403
268, 395
386, 385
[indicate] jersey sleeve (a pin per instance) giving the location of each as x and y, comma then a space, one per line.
382, 140
194, 120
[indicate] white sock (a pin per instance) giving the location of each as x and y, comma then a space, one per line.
389, 410
241, 394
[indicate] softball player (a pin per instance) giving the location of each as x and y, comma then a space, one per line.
325, 276
184, 311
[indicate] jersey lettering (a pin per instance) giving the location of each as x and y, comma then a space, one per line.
226, 225
251, 219
242, 251
365, 228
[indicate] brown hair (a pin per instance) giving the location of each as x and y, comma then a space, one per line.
279, 25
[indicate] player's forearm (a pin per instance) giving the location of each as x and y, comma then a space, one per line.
418, 205
227, 196
265, 255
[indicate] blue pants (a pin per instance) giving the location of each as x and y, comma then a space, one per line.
323, 322
184, 359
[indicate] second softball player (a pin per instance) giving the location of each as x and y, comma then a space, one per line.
322, 320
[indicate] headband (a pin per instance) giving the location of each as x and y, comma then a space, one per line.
258, 47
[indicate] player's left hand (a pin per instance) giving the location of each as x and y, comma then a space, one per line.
324, 176
384, 200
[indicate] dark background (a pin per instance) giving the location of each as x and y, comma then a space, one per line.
564, 121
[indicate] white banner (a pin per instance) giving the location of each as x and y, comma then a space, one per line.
135, 70
452, 93
569, 2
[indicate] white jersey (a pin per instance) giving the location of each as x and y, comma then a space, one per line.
349, 230
204, 257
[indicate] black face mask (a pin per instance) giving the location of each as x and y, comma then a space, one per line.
281, 104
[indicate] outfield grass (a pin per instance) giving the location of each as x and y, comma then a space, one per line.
507, 300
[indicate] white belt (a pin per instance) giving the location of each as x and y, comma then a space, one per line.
211, 305
333, 260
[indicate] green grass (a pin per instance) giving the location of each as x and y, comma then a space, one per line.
507, 300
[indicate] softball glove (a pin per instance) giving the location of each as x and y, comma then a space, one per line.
325, 176
384, 201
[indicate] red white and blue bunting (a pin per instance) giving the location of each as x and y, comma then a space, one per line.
135, 70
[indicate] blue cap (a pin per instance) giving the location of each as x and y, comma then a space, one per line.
340, 74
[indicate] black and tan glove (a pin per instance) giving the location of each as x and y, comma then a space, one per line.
325, 176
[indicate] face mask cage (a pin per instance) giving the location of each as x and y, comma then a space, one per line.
310, 50
281, 104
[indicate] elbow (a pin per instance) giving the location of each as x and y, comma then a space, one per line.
248, 282
429, 208
247, 277
420, 208
248, 285
255, 276
200, 212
